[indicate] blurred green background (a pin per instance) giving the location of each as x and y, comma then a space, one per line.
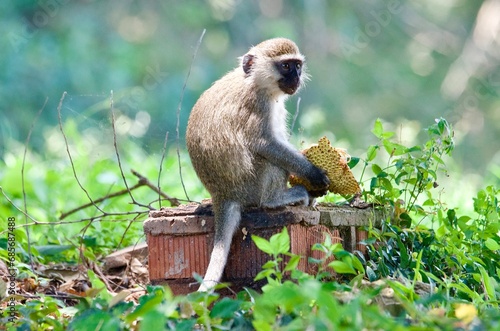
406, 62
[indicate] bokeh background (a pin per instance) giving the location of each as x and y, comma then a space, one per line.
405, 62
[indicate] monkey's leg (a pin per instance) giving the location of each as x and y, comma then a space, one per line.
227, 219
292, 196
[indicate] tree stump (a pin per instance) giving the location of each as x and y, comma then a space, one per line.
180, 240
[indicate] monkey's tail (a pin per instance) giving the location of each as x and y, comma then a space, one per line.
227, 220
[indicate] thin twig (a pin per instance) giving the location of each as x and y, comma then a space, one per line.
179, 110
108, 196
25, 202
102, 277
62, 295
163, 152
126, 230
18, 209
115, 144
83, 231
59, 107
145, 181
116, 147
99, 217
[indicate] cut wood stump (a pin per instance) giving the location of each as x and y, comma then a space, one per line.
180, 240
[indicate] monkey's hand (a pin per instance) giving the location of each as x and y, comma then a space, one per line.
318, 181
334, 161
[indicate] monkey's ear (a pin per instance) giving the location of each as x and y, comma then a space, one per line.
247, 63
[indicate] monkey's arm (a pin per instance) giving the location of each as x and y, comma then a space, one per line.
286, 157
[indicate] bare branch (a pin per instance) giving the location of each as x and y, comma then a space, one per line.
145, 181
126, 230
102, 277
115, 145
163, 152
108, 196
59, 107
18, 209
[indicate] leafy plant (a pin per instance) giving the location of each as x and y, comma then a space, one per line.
458, 254
276, 246
409, 171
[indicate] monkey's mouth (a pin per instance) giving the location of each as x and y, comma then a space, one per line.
290, 90
289, 87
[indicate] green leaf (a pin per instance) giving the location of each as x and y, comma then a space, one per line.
394, 149
489, 285
442, 124
280, 242
89, 241
414, 149
341, 267
372, 276
293, 263
405, 257
146, 305
264, 274
465, 289
358, 265
225, 308
328, 240
319, 247
336, 248
98, 284
492, 244
184, 325
353, 162
405, 220
378, 129
411, 181
399, 287
313, 260
387, 135
269, 264
94, 319
51, 250
261, 325
263, 245
385, 183
153, 320
371, 153
376, 169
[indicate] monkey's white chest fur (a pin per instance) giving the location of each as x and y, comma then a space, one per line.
279, 121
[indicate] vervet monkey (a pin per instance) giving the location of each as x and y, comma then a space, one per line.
237, 139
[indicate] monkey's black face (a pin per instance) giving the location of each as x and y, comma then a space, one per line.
290, 71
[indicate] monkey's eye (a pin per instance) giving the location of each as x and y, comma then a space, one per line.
298, 65
285, 66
